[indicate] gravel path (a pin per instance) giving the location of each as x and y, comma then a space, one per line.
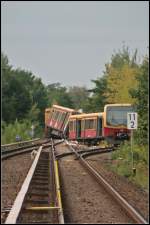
84, 200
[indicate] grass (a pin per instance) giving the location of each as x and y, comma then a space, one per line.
122, 163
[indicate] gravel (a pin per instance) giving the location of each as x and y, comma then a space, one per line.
14, 171
83, 199
135, 195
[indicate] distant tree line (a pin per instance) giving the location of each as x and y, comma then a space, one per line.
25, 97
124, 80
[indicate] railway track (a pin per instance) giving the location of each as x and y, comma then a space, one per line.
87, 152
131, 212
18, 144
39, 199
14, 149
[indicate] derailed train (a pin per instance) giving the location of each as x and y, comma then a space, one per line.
90, 128
56, 120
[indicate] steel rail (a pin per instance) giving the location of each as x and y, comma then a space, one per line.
57, 186
20, 150
86, 153
54, 144
94, 152
6, 146
17, 152
59, 142
20, 147
124, 204
16, 208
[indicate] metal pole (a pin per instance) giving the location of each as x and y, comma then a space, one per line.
133, 168
132, 146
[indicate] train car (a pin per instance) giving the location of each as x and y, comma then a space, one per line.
110, 125
86, 127
115, 122
56, 121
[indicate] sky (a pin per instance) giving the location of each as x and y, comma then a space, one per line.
71, 41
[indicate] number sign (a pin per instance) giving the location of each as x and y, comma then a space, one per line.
132, 120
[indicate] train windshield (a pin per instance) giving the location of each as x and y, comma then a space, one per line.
117, 115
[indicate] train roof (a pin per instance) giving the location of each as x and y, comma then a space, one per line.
86, 115
63, 108
47, 109
118, 104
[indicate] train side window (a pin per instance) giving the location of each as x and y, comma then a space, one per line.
86, 124
74, 125
71, 125
90, 124
57, 115
95, 124
82, 124
63, 116
66, 118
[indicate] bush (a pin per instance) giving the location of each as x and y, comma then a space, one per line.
123, 162
23, 129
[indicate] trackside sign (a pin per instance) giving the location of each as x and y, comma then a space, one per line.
132, 121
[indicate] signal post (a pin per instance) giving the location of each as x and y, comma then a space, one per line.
132, 125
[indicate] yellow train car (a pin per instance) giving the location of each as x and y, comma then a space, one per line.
86, 127
110, 125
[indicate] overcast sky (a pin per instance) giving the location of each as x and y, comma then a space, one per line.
70, 42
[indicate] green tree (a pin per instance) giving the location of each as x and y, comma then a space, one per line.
58, 95
21, 91
121, 76
98, 99
16, 100
40, 98
36, 90
141, 96
79, 96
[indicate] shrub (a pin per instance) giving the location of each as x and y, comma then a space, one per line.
23, 129
123, 162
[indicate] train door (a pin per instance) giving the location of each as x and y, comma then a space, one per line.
78, 128
99, 126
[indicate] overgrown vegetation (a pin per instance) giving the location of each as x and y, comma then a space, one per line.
123, 165
23, 129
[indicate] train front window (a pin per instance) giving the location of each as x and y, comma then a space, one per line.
117, 115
